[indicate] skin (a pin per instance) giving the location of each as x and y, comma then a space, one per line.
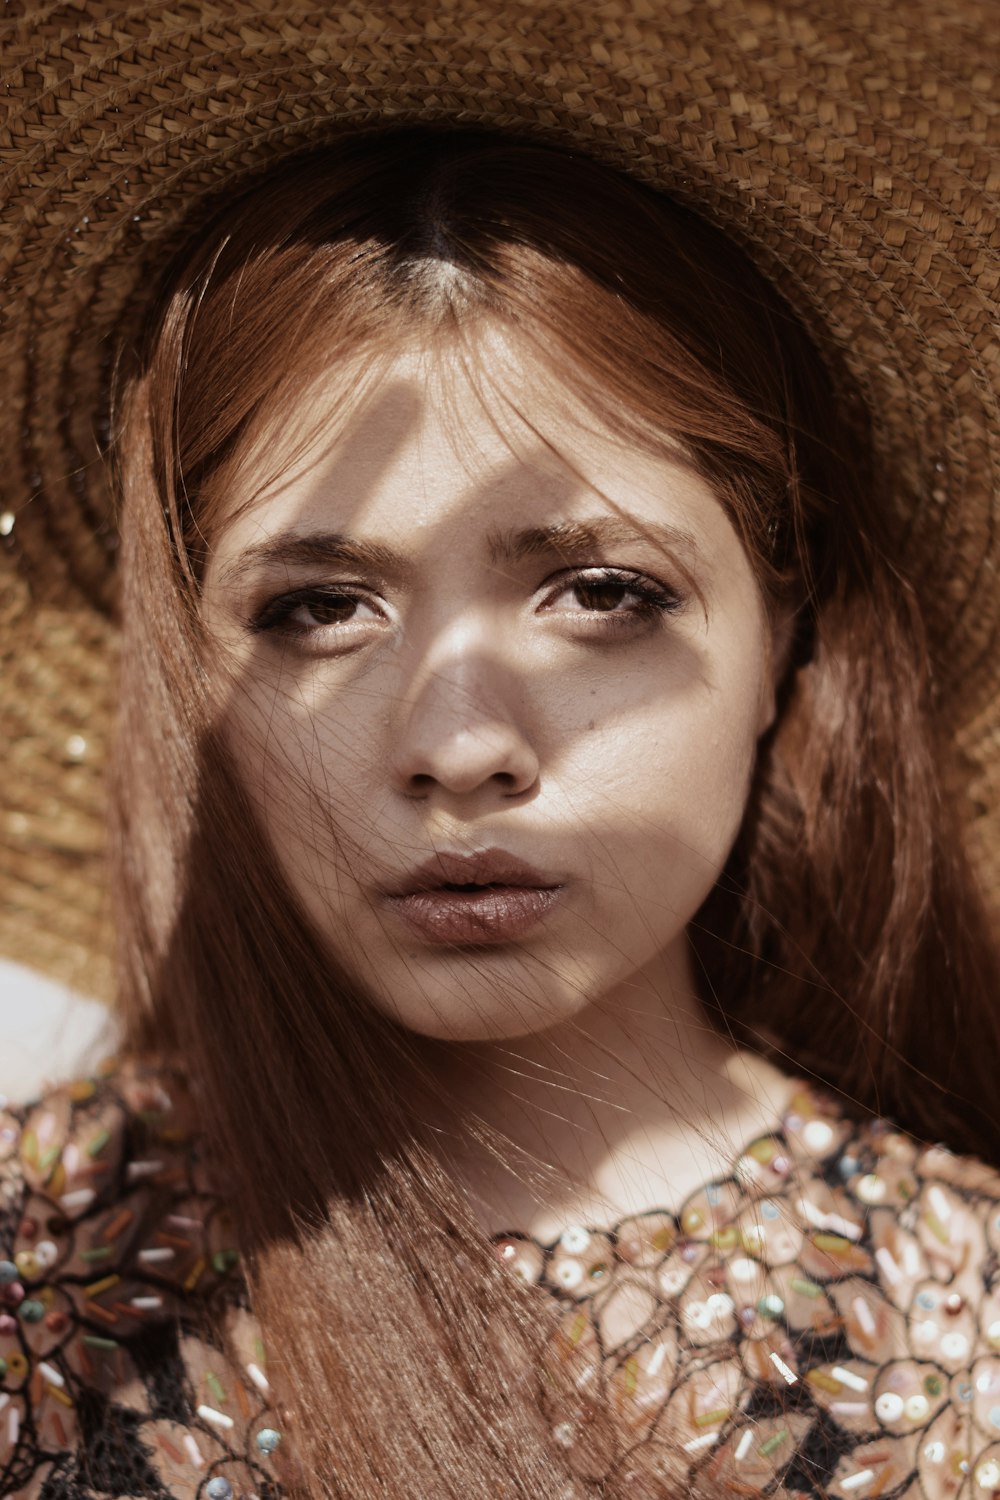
460, 700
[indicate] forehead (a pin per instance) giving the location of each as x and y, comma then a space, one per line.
432, 445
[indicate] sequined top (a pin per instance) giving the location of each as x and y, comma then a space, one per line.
823, 1320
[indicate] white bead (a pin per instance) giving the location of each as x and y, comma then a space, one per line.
889, 1407
569, 1273
817, 1135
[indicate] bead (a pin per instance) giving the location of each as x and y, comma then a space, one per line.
6, 523
56, 1322
563, 1434
3, 1368
575, 1239
917, 1408
8, 1272
569, 1273
871, 1189
219, 1489
817, 1135
954, 1346
954, 1303
225, 1260
268, 1439
28, 1264
28, 1228
889, 1407
7, 1323
31, 1310
988, 1474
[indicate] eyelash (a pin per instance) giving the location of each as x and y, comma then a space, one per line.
655, 600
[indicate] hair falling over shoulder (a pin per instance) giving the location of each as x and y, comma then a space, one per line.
845, 937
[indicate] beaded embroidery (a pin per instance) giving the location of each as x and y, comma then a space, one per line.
111, 1241
824, 1320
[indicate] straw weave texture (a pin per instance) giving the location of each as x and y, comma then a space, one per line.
854, 149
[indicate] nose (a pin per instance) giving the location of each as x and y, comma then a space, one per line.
462, 733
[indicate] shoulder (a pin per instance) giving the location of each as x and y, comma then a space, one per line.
117, 1269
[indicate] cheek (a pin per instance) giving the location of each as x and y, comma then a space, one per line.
666, 787
303, 765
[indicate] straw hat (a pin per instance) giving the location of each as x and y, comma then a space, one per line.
853, 148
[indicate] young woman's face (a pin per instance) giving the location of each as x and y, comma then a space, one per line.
500, 746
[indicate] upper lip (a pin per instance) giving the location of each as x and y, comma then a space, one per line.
490, 867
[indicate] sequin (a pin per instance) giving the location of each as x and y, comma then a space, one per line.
268, 1439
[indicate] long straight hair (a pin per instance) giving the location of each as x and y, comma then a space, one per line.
845, 936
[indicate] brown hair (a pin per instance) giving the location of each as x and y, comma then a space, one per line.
845, 935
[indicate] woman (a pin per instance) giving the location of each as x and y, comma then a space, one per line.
530, 857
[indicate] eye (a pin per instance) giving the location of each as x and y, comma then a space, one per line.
613, 595
309, 611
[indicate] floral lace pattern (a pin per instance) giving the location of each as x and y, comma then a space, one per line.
824, 1320
111, 1241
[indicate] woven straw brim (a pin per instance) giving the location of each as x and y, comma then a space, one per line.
853, 149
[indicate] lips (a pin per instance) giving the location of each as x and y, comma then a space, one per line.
473, 899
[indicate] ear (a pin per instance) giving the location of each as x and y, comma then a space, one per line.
782, 630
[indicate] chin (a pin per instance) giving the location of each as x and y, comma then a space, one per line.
474, 1018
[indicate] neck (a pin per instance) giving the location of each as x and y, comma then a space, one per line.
629, 1106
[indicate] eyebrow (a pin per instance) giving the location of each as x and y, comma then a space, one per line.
601, 531
289, 550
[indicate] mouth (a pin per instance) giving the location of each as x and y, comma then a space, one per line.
473, 899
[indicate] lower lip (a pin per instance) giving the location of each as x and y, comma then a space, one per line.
493, 915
